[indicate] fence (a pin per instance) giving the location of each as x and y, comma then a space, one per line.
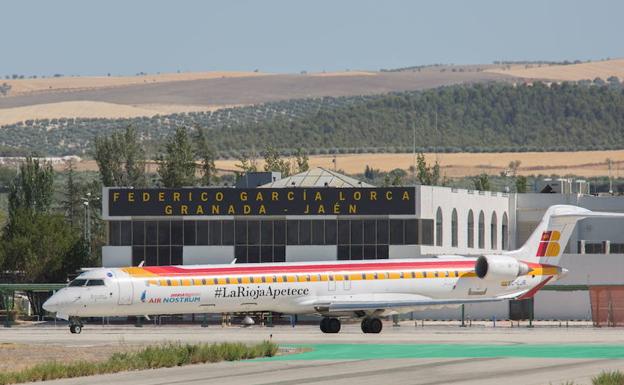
607, 303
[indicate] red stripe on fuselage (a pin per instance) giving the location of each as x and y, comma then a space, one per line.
273, 269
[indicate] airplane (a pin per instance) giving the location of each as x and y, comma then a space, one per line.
335, 290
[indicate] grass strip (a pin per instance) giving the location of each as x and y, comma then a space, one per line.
151, 357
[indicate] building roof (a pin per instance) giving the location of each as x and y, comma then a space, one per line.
317, 177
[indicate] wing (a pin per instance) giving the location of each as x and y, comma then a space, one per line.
394, 303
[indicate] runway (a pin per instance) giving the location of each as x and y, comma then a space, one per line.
406, 354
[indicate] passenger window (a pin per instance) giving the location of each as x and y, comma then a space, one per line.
77, 282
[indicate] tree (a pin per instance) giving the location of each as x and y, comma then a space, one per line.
121, 159
32, 187
513, 167
177, 166
371, 173
427, 175
301, 158
521, 184
247, 162
72, 202
396, 176
38, 245
274, 162
481, 182
41, 247
205, 152
4, 89
35, 244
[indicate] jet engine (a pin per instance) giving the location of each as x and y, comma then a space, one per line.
499, 268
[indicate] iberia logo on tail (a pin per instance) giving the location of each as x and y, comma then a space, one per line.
549, 244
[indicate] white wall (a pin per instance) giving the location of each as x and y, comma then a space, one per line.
562, 305
116, 256
430, 198
531, 208
204, 255
404, 251
484, 311
593, 269
311, 253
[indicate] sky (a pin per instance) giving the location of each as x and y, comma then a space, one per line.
124, 37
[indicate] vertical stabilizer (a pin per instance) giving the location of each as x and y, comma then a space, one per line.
550, 237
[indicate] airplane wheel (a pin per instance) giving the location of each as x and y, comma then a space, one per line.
333, 325
366, 325
75, 329
324, 323
375, 325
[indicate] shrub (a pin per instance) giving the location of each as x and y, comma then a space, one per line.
609, 378
151, 357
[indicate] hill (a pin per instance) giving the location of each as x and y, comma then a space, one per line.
473, 118
73, 83
194, 92
572, 72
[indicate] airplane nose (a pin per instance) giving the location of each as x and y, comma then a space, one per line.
51, 305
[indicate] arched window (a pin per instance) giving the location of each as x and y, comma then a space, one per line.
505, 233
454, 242
439, 227
470, 229
481, 230
493, 231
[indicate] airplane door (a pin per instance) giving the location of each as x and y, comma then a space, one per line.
346, 285
332, 283
126, 292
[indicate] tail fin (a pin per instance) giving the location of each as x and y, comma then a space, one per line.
550, 237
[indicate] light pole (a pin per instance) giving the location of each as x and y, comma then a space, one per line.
87, 225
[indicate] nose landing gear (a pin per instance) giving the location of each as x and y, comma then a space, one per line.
75, 325
330, 325
371, 325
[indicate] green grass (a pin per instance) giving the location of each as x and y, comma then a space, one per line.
609, 378
151, 357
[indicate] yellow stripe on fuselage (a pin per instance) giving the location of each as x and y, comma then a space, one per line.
138, 272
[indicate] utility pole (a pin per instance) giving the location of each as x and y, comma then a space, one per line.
87, 225
609, 164
414, 152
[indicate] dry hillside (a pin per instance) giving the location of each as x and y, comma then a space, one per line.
192, 92
73, 83
573, 72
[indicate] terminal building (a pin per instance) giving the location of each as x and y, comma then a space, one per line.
323, 215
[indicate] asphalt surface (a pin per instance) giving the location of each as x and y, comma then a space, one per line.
406, 354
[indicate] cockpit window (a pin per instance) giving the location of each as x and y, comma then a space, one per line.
77, 282
95, 282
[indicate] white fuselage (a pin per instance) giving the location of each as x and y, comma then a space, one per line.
292, 288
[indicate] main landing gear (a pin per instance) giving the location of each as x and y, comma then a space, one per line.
75, 325
330, 325
371, 325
